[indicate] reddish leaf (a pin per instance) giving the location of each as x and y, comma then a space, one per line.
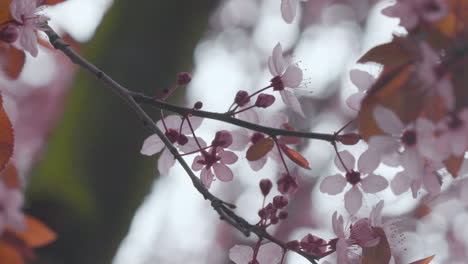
37, 234
389, 54
260, 149
6, 137
5, 14
11, 60
10, 177
349, 139
9, 254
424, 260
295, 156
52, 2
453, 165
379, 254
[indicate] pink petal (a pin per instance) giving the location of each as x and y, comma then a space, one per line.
383, 144
195, 121
195, 165
192, 145
206, 177
227, 157
276, 120
353, 200
413, 163
333, 184
373, 183
362, 79
368, 162
173, 122
269, 253
240, 139
400, 184
152, 145
28, 40
241, 254
337, 224
165, 162
258, 164
288, 10
277, 60
348, 160
223, 172
290, 99
354, 101
248, 115
376, 214
388, 121
432, 183
292, 77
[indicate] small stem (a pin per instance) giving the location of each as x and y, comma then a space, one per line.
193, 133
339, 157
250, 96
281, 155
195, 151
242, 110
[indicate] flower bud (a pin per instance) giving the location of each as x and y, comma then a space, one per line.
242, 98
280, 201
198, 105
349, 139
183, 78
9, 34
293, 245
265, 186
264, 100
222, 139
182, 139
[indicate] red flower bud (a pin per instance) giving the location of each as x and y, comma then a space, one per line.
183, 78
265, 186
264, 100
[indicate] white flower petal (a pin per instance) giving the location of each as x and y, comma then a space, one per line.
353, 200
292, 77
348, 160
223, 172
290, 99
152, 145
241, 254
388, 121
288, 10
165, 162
374, 183
269, 253
333, 184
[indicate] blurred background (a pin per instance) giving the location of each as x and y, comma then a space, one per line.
107, 202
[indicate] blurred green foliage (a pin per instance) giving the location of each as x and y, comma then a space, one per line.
92, 177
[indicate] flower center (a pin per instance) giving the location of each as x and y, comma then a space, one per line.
172, 135
277, 83
454, 122
353, 177
209, 159
256, 137
409, 138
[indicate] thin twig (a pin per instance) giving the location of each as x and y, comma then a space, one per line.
222, 208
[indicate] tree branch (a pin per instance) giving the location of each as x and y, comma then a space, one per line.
224, 209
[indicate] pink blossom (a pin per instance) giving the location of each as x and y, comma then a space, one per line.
179, 134
370, 183
11, 201
213, 163
429, 178
313, 245
363, 81
268, 253
287, 184
401, 144
454, 135
289, 9
342, 242
25, 14
285, 76
411, 12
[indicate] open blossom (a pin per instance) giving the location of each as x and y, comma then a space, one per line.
288, 10
179, 133
411, 12
25, 14
362, 179
429, 178
214, 162
284, 77
363, 81
268, 253
454, 137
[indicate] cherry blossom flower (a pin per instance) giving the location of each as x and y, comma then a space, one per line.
411, 12
430, 179
213, 163
401, 144
268, 253
289, 9
371, 183
363, 81
11, 201
284, 77
179, 133
25, 14
342, 242
454, 135
287, 184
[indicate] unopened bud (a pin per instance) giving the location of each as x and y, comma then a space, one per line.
183, 78
198, 105
293, 245
349, 139
222, 139
182, 139
280, 201
9, 34
242, 98
265, 186
264, 100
